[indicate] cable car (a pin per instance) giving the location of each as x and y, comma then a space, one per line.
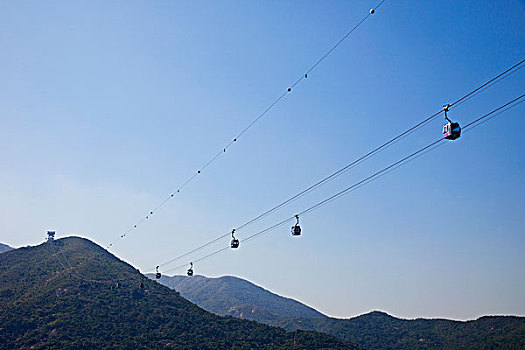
190, 270
235, 242
451, 130
296, 229
158, 274
141, 284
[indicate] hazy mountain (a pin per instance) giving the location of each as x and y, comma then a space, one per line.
237, 297
375, 330
72, 294
4, 248
378, 330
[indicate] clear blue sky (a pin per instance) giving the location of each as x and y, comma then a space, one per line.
107, 107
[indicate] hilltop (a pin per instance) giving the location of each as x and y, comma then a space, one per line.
4, 248
236, 297
375, 330
74, 294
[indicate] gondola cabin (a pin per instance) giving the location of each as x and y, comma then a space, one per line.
158, 275
451, 131
234, 243
190, 272
296, 230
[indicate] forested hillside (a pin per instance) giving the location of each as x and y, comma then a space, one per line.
375, 330
236, 297
72, 294
4, 248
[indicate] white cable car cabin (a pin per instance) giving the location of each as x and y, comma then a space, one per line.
451, 131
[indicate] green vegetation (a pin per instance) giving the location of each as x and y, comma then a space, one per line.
376, 330
64, 295
236, 297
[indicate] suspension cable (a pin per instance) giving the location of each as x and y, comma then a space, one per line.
263, 113
464, 98
469, 126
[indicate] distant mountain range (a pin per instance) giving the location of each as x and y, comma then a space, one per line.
376, 330
238, 298
4, 248
73, 294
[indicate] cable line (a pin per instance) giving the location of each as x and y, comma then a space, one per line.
489, 83
263, 113
471, 125
361, 159
70, 269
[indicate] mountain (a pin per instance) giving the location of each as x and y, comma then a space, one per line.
73, 294
376, 330
4, 248
238, 298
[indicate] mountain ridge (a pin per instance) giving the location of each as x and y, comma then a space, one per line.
72, 293
5, 248
373, 330
230, 289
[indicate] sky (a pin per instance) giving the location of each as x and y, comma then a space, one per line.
108, 107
